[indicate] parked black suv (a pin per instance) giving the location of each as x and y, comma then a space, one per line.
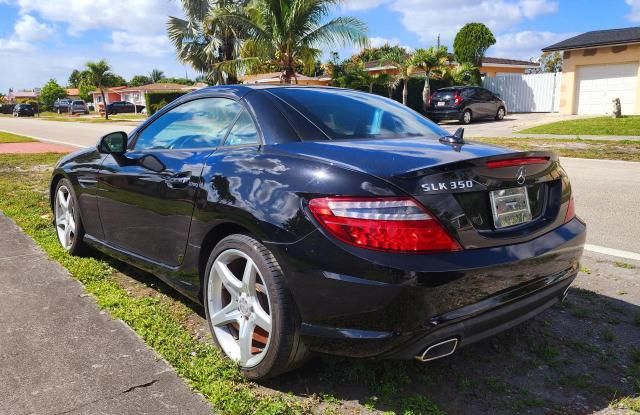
23, 110
120, 107
465, 103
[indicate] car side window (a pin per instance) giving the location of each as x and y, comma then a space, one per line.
200, 123
485, 95
243, 132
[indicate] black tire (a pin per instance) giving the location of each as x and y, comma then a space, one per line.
500, 114
78, 247
286, 350
466, 117
114, 112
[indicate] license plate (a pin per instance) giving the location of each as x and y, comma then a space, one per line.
441, 103
510, 207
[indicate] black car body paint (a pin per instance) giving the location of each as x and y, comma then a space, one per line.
164, 214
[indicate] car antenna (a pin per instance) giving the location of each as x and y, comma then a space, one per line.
456, 138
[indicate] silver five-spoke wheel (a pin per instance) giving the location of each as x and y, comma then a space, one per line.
239, 307
65, 220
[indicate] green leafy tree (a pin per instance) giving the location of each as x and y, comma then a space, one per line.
51, 91
374, 54
203, 41
180, 81
116, 80
75, 79
140, 80
462, 74
551, 62
471, 43
286, 34
86, 91
99, 74
156, 75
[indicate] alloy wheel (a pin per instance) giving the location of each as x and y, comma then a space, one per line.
500, 114
467, 117
239, 308
65, 219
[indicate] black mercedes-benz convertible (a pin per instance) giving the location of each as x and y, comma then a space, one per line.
325, 220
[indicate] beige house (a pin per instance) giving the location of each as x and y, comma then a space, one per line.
491, 67
598, 67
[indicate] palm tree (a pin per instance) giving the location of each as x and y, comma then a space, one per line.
405, 67
99, 74
156, 75
430, 60
286, 34
463, 74
202, 41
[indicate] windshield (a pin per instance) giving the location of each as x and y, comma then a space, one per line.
345, 114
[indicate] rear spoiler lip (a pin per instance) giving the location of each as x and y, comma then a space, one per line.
475, 162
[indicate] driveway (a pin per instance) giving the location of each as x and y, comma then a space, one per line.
507, 127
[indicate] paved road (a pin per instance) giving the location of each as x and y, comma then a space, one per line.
77, 134
60, 354
607, 192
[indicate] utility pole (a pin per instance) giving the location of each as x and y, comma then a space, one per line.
438, 47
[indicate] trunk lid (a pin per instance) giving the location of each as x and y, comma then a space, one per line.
454, 182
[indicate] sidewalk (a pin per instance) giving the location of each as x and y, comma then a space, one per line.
60, 354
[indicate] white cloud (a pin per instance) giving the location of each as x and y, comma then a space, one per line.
634, 15
524, 45
134, 16
376, 42
420, 16
26, 31
147, 45
27, 28
362, 4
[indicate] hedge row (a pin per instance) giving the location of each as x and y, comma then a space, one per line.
156, 100
414, 99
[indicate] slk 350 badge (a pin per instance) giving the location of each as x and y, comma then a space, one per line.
452, 185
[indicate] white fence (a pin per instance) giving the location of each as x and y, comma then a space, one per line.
538, 92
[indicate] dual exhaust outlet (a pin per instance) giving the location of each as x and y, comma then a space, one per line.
439, 350
448, 347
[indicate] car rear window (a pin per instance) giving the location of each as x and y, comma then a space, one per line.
445, 94
344, 114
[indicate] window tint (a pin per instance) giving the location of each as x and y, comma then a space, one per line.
194, 124
485, 95
351, 114
243, 132
468, 93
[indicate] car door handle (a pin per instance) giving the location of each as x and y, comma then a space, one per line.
179, 180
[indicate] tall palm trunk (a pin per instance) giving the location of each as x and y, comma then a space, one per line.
426, 92
104, 102
405, 92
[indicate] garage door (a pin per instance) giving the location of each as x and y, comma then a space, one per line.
597, 85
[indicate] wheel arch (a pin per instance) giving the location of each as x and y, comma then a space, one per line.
52, 187
211, 239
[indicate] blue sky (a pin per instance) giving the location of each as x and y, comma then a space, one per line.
42, 39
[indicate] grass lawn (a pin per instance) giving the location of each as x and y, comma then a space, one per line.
516, 372
13, 138
628, 150
629, 125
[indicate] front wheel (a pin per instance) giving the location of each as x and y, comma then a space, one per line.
500, 114
67, 218
249, 308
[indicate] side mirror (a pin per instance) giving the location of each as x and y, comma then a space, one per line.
113, 143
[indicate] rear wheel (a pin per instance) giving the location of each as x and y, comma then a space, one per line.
250, 310
466, 117
67, 218
500, 114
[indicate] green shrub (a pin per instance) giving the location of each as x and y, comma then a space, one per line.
156, 100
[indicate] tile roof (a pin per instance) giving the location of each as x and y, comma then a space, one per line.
487, 61
598, 38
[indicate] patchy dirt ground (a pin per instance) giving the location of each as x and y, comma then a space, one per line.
576, 358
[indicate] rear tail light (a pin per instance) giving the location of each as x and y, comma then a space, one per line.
386, 224
520, 161
457, 100
571, 211
430, 99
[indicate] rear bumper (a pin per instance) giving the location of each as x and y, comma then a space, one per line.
453, 114
396, 307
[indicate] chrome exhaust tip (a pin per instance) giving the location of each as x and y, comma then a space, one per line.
439, 350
